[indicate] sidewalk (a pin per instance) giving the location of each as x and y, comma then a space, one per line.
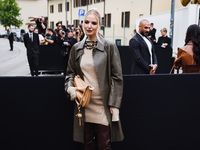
13, 63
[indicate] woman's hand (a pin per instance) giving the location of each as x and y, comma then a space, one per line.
115, 114
72, 92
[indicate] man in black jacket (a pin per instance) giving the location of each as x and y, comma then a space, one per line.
152, 33
142, 50
31, 42
10, 38
68, 43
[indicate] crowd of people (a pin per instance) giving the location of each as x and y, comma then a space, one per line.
141, 46
60, 35
63, 36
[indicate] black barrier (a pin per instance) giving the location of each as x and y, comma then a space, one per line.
50, 58
165, 60
126, 59
159, 112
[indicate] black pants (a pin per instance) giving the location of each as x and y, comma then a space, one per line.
33, 61
11, 44
97, 137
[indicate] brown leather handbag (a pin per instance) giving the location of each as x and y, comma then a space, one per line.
83, 95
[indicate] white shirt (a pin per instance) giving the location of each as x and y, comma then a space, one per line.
149, 47
41, 37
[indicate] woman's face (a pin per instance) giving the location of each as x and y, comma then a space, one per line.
91, 25
163, 33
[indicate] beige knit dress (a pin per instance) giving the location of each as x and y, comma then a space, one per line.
94, 112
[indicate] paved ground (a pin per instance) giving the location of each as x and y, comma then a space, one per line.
13, 63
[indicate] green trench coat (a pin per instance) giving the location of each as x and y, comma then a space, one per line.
109, 73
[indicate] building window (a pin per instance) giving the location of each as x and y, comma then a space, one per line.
76, 23
59, 7
60, 22
97, 1
83, 2
103, 21
127, 19
122, 21
51, 9
77, 3
52, 24
90, 2
107, 20
67, 6
125, 22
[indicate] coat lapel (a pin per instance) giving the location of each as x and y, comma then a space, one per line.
144, 43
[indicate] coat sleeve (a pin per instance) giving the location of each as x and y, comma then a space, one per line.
116, 90
136, 54
70, 73
38, 40
177, 62
155, 61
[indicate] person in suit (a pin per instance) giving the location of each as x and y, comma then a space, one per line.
142, 50
152, 33
11, 39
31, 42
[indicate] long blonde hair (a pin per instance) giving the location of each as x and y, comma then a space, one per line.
94, 12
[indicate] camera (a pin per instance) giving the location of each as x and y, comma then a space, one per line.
40, 19
43, 34
63, 32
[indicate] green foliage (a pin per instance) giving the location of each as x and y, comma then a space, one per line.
9, 13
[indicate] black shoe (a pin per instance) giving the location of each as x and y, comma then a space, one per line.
11, 49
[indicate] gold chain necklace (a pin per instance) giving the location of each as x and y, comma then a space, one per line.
90, 44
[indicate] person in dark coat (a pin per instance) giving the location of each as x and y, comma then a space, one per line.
41, 25
31, 42
164, 41
68, 43
11, 39
152, 33
142, 50
97, 61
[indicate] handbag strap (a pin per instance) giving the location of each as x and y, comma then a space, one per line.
171, 70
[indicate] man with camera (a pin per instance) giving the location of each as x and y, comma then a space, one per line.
41, 24
60, 36
68, 43
58, 27
50, 38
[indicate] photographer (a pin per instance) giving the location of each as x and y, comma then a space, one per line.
50, 38
41, 24
68, 43
58, 27
60, 37
79, 34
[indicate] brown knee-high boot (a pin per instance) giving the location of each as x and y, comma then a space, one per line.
89, 136
104, 137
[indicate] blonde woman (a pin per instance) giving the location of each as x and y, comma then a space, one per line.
97, 62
